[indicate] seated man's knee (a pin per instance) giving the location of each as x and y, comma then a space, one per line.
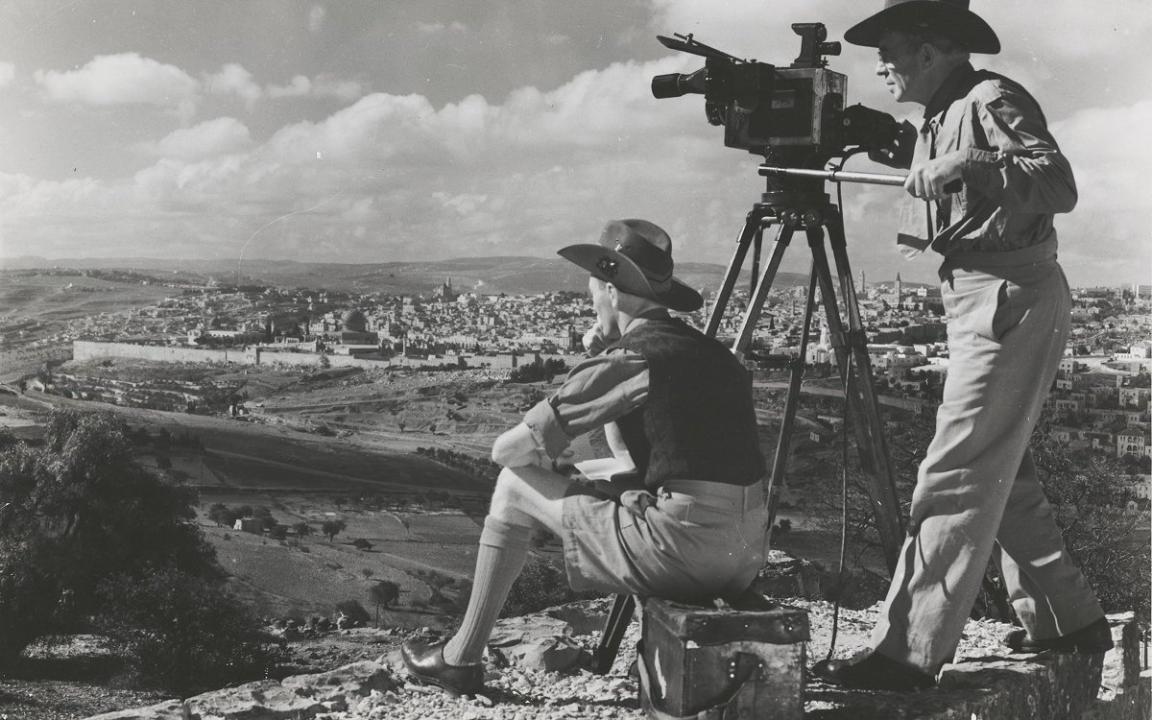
508, 500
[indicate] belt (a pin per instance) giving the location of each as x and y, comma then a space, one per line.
1032, 255
739, 496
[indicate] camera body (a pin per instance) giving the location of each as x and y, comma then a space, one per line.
778, 107
796, 111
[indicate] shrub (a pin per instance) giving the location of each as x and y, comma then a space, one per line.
302, 529
1104, 541
383, 593
541, 584
222, 515
332, 528
79, 514
183, 632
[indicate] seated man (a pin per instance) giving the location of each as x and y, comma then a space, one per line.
683, 406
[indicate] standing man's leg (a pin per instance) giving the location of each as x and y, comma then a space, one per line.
1006, 341
1049, 593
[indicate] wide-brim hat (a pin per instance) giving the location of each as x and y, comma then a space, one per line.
951, 18
636, 257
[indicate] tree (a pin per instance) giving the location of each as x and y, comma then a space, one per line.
80, 510
1103, 540
222, 515
183, 632
382, 594
332, 528
302, 529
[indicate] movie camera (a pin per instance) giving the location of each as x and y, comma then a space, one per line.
796, 112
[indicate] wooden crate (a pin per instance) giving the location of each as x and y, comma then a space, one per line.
697, 658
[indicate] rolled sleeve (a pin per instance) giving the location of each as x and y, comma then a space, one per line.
1030, 173
546, 429
597, 391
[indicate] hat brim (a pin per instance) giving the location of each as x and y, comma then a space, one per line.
629, 278
964, 25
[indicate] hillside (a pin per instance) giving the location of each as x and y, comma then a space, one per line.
486, 275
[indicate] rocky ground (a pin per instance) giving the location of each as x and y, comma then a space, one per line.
528, 673
533, 672
79, 677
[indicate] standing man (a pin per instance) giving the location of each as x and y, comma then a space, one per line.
695, 529
992, 178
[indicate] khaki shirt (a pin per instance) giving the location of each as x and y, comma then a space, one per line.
1014, 175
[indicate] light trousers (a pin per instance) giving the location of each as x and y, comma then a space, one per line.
977, 495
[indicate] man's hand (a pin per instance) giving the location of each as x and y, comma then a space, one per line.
927, 180
595, 342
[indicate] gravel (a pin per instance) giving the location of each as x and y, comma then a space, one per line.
519, 694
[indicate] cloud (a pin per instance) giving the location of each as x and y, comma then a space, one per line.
123, 79
234, 79
1113, 210
208, 139
321, 86
517, 176
436, 28
316, 16
298, 87
392, 176
7, 73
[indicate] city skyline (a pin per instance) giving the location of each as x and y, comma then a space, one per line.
371, 132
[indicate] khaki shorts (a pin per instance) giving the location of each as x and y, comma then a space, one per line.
690, 540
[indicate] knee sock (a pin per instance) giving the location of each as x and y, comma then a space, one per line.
503, 550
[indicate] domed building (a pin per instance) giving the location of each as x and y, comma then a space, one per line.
354, 321
354, 331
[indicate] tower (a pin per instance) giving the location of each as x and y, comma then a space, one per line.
899, 291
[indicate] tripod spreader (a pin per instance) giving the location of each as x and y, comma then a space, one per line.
832, 175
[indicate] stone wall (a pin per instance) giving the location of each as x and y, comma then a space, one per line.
88, 350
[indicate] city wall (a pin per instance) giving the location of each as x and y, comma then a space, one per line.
89, 350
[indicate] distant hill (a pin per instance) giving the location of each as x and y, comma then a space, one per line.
486, 275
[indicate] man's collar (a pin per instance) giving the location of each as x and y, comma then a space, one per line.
957, 83
644, 317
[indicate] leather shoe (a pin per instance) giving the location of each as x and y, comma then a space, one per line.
874, 672
1093, 638
426, 664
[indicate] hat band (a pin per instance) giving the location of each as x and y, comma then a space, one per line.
655, 263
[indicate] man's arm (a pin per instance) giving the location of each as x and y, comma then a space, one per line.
1024, 171
597, 391
517, 447
1027, 171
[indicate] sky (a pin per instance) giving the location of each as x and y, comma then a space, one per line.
400, 130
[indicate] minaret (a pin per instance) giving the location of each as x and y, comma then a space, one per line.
863, 289
899, 291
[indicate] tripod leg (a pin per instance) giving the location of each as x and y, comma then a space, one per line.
613, 633
784, 440
757, 248
863, 386
763, 286
752, 229
862, 404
